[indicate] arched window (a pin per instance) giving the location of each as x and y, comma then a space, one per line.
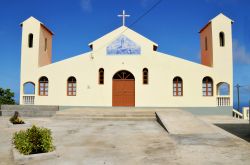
205, 43
29, 88
145, 76
123, 75
207, 86
177, 87
71, 86
101, 76
30, 42
222, 39
223, 89
43, 86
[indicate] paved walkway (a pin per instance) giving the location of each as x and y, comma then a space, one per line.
81, 141
180, 122
200, 140
5, 142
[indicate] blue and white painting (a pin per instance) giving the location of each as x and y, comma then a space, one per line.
123, 46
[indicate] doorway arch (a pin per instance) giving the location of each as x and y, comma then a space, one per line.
123, 89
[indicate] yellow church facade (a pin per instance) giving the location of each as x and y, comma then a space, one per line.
124, 68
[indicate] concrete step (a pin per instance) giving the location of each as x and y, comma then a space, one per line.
106, 114
69, 111
106, 118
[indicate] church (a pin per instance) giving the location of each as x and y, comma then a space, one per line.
124, 68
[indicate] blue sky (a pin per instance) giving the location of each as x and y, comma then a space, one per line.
174, 25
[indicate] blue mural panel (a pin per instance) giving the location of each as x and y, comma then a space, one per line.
123, 46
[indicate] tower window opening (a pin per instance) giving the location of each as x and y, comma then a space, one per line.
30, 42
222, 39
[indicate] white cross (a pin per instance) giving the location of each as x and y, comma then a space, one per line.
123, 17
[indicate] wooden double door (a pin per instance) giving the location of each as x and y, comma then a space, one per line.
123, 89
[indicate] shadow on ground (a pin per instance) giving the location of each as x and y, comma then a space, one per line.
240, 130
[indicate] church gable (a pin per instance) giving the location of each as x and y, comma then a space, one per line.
134, 42
123, 46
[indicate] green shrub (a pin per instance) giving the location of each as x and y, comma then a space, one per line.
22, 143
34, 140
15, 119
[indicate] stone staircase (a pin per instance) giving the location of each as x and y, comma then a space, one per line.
107, 114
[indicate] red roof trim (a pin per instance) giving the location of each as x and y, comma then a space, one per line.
47, 29
205, 26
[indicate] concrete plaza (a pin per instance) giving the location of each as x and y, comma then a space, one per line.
84, 141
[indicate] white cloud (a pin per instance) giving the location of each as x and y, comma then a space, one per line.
86, 5
240, 54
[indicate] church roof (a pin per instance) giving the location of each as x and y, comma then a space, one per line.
123, 30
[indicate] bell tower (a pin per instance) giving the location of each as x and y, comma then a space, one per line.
217, 51
36, 51
216, 43
36, 46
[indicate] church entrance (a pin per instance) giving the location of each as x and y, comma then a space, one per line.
123, 89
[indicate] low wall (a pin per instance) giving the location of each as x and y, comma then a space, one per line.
210, 110
48, 111
29, 110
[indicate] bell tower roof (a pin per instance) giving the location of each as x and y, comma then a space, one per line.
221, 15
33, 19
